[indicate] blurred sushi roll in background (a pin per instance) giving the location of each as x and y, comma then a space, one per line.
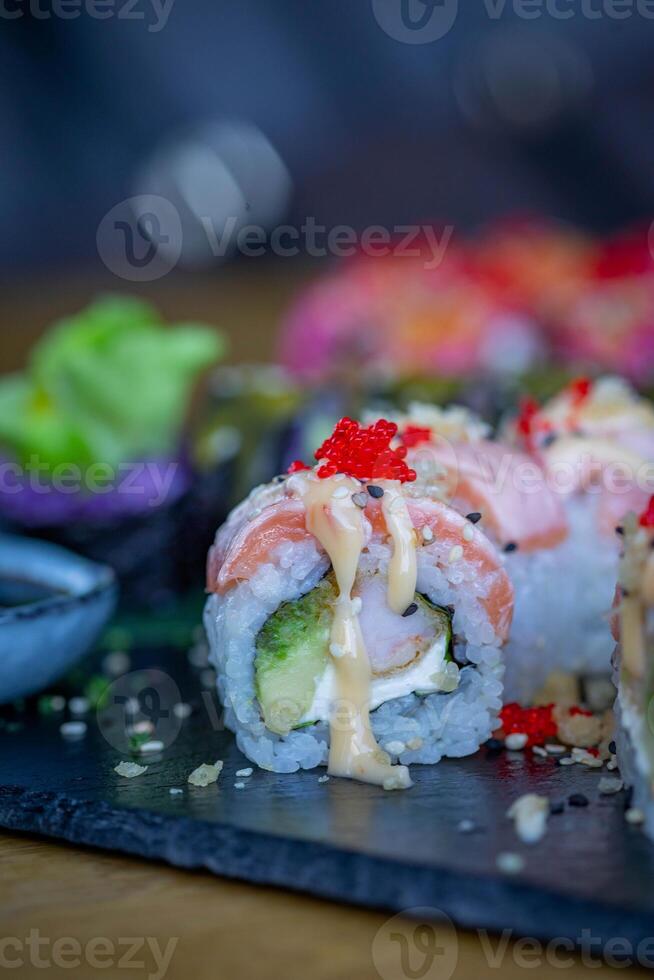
546, 539
354, 619
93, 444
633, 624
594, 441
402, 315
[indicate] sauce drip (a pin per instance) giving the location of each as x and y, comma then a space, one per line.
402, 570
338, 524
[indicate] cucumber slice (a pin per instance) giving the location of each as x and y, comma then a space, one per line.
292, 652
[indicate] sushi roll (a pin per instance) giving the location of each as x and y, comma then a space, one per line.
595, 443
633, 625
543, 545
355, 620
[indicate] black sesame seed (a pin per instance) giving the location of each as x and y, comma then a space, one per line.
612, 748
474, 517
556, 808
578, 799
511, 546
550, 439
375, 492
619, 529
409, 611
494, 745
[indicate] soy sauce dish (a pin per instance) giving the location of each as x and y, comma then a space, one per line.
53, 605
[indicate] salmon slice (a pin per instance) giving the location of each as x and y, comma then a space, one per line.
508, 488
254, 541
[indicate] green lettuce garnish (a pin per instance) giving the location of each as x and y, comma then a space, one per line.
110, 384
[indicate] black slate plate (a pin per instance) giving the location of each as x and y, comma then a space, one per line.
339, 839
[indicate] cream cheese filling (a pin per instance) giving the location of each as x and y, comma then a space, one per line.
426, 674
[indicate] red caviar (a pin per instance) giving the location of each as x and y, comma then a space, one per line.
526, 421
364, 453
647, 517
414, 435
580, 390
297, 466
536, 723
576, 710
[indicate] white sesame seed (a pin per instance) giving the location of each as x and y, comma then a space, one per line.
57, 702
79, 706
456, 554
73, 729
239, 785
466, 826
336, 649
539, 750
510, 863
634, 815
591, 762
182, 710
153, 746
516, 741
340, 492
468, 533
612, 763
244, 773
323, 779
142, 728
566, 761
175, 791
132, 706
427, 533
553, 749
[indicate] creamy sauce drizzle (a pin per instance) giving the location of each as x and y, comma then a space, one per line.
402, 569
338, 524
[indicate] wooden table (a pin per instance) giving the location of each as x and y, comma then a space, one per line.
219, 928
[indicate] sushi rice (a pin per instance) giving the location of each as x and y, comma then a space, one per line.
415, 728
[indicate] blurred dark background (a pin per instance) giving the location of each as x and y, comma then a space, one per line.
505, 112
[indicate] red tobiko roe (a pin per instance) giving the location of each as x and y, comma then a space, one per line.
363, 453
537, 723
525, 422
647, 517
414, 435
297, 466
580, 390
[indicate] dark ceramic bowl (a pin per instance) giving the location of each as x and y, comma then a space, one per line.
53, 605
